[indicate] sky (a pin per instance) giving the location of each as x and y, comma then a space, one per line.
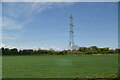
46, 24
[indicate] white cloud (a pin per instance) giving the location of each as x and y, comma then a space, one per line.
9, 24
2, 45
12, 12
60, 0
9, 38
56, 48
34, 47
0, 22
30, 8
37, 7
42, 48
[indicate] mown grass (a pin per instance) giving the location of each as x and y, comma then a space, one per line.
60, 66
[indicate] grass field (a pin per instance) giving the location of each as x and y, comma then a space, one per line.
60, 66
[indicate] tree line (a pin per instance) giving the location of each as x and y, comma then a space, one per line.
81, 50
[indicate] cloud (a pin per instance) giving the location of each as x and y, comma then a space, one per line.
26, 12
56, 48
39, 0
17, 15
2, 45
30, 8
9, 38
60, 0
0, 23
11, 35
9, 24
8, 28
7, 46
34, 47
43, 48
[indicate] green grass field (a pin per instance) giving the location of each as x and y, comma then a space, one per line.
60, 66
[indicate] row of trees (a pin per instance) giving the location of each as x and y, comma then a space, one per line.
81, 50
96, 50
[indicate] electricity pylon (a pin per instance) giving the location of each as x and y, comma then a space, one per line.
71, 35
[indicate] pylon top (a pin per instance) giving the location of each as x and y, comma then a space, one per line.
71, 16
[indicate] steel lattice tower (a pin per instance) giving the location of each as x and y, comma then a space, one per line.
71, 40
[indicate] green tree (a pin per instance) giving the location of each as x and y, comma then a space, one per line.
14, 51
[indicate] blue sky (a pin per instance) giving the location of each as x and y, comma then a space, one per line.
46, 25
